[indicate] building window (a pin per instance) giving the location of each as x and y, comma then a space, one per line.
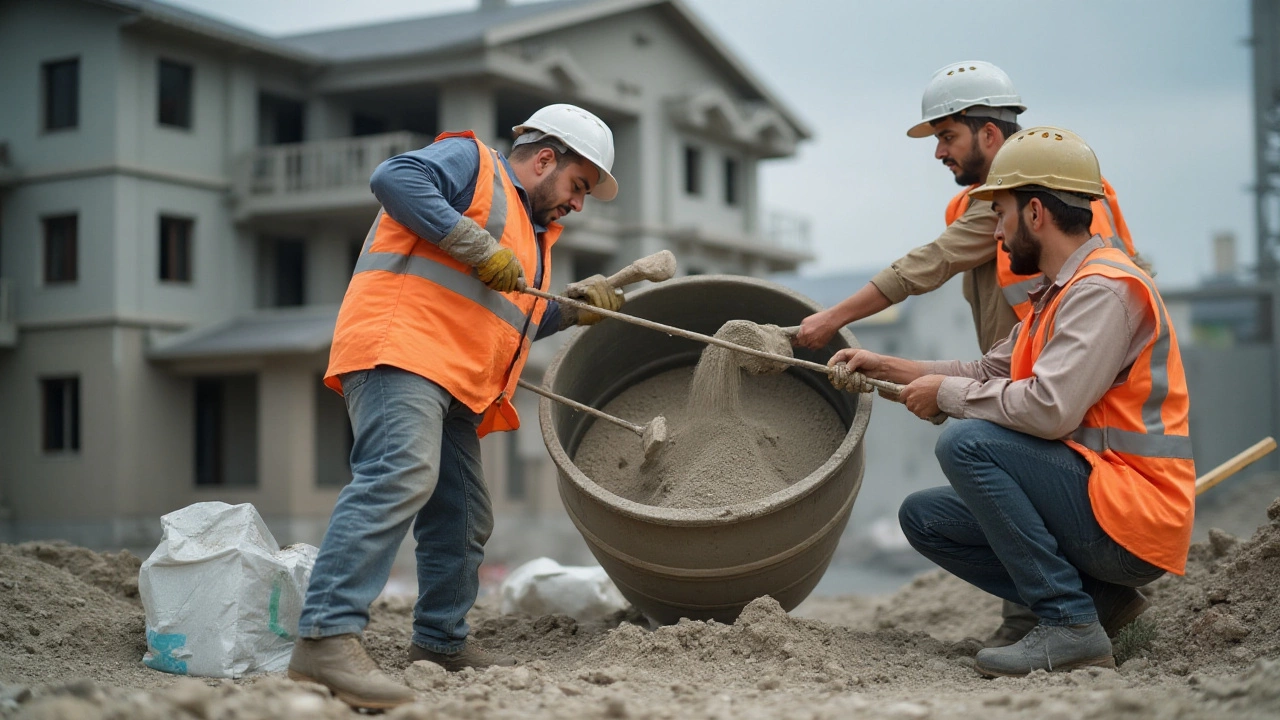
175, 249
60, 249
61, 414
226, 428
174, 108
291, 271
364, 124
61, 94
692, 170
209, 440
730, 181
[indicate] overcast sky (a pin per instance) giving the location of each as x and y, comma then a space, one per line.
1160, 89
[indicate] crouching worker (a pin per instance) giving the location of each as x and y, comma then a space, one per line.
1071, 478
430, 341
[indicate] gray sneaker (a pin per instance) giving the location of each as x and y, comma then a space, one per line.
1049, 647
467, 657
341, 664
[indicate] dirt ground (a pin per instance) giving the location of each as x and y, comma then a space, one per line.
71, 639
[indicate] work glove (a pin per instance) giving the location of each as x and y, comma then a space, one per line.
472, 245
849, 380
595, 291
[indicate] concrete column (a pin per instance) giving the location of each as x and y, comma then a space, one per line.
286, 437
468, 106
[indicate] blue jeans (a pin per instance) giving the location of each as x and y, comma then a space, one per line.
1017, 523
416, 460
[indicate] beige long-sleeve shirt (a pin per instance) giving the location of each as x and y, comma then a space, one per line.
1100, 328
967, 246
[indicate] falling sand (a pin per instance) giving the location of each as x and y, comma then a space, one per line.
740, 429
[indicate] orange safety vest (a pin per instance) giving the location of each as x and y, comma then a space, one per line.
1143, 484
1107, 222
411, 306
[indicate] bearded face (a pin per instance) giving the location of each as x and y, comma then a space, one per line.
970, 165
1024, 251
546, 199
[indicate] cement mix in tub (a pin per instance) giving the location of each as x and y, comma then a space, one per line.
735, 436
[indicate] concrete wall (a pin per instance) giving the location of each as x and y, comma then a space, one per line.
85, 31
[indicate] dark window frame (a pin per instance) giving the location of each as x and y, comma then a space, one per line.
210, 442
732, 182
60, 414
175, 251
290, 291
61, 265
177, 111
59, 116
693, 184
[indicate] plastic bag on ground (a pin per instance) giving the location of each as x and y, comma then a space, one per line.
221, 598
545, 587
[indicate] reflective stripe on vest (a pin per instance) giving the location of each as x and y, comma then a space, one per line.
1136, 436
1108, 222
412, 306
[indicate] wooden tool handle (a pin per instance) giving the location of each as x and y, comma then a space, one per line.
1235, 464
885, 385
637, 429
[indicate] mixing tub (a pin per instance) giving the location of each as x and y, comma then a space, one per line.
701, 563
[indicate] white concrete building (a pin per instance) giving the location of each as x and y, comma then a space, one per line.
181, 203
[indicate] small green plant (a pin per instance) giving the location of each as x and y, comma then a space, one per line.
1133, 639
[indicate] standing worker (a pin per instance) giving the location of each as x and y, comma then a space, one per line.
430, 341
1071, 480
971, 108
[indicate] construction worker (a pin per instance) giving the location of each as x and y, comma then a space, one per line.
1071, 477
430, 341
971, 108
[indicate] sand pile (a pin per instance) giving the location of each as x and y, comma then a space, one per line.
54, 623
739, 430
1226, 611
892, 658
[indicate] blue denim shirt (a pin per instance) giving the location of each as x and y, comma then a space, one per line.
428, 190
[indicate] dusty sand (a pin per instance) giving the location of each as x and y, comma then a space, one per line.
1216, 653
781, 431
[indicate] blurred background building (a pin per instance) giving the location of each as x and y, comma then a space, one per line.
183, 201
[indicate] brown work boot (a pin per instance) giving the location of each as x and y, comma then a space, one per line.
341, 664
1119, 608
1017, 622
467, 657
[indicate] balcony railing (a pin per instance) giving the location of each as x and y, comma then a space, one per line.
787, 232
317, 168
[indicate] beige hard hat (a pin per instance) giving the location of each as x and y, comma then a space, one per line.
1049, 158
583, 132
972, 87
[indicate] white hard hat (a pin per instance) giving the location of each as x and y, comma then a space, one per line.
584, 133
979, 87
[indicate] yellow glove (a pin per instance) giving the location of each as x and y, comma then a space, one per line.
595, 291
500, 271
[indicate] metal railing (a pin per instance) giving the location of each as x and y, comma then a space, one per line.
787, 231
295, 168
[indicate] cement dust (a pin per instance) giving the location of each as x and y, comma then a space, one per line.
851, 657
739, 429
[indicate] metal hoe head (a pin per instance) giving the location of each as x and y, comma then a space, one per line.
654, 436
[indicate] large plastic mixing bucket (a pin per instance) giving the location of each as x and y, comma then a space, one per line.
701, 563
